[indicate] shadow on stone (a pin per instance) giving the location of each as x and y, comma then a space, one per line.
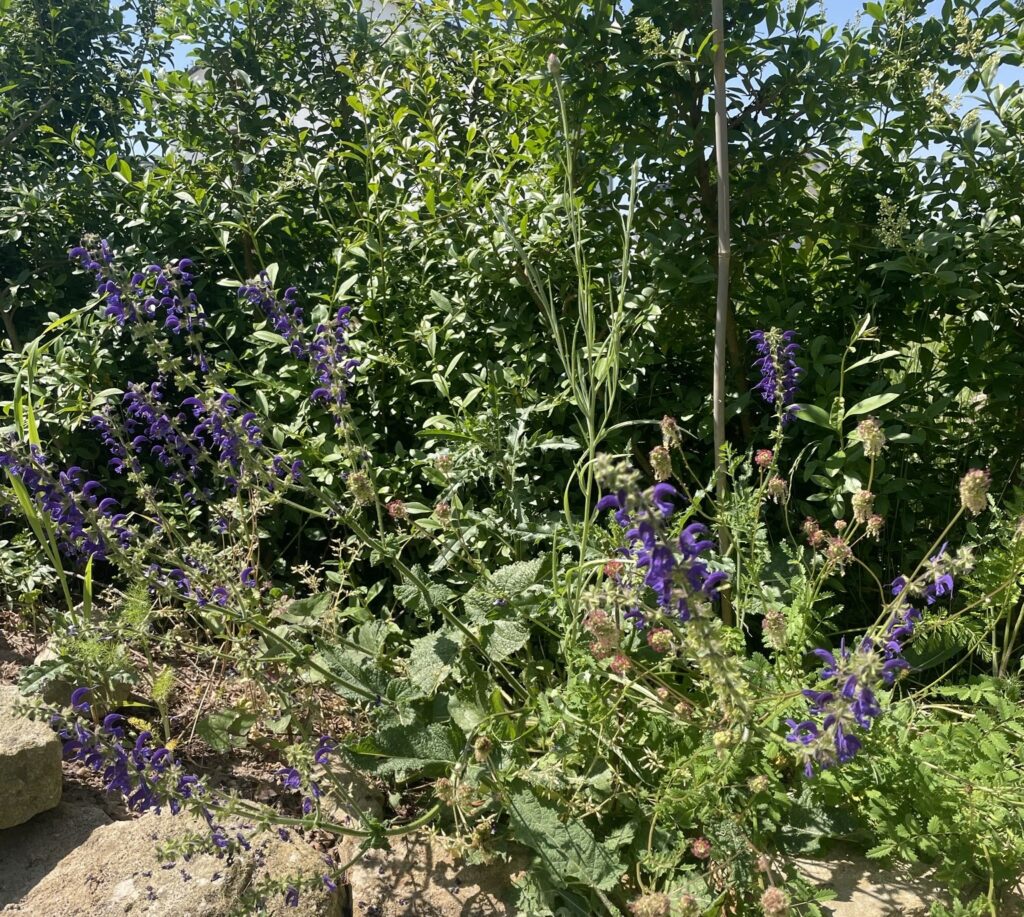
30, 851
416, 876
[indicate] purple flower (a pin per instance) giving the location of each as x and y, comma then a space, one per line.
143, 774
780, 373
674, 569
291, 897
78, 702
248, 577
324, 750
847, 701
290, 777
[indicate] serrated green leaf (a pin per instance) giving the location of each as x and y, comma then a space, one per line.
566, 849
503, 638
400, 751
433, 659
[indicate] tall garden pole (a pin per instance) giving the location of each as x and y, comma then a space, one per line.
722, 296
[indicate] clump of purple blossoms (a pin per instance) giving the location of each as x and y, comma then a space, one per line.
214, 427
144, 773
332, 364
292, 779
87, 523
847, 700
674, 566
780, 374
287, 319
326, 347
148, 293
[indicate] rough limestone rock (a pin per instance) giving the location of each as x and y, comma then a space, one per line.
74, 862
418, 877
30, 772
865, 889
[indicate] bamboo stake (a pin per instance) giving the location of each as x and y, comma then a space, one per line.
724, 254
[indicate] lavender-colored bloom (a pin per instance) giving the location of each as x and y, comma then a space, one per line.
325, 748
332, 365
291, 897
674, 569
780, 374
78, 700
290, 777
848, 700
285, 318
85, 524
617, 501
149, 291
144, 775
248, 578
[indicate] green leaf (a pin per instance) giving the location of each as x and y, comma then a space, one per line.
813, 414
874, 358
225, 729
412, 597
568, 850
872, 404
400, 751
307, 610
433, 659
503, 638
518, 577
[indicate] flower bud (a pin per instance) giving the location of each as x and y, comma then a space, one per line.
863, 505
874, 525
974, 490
554, 65
812, 531
838, 552
670, 433
688, 906
603, 631
763, 458
660, 639
397, 510
361, 488
773, 626
700, 847
661, 463
870, 433
777, 489
656, 904
759, 784
482, 749
620, 664
774, 902
443, 513
612, 569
